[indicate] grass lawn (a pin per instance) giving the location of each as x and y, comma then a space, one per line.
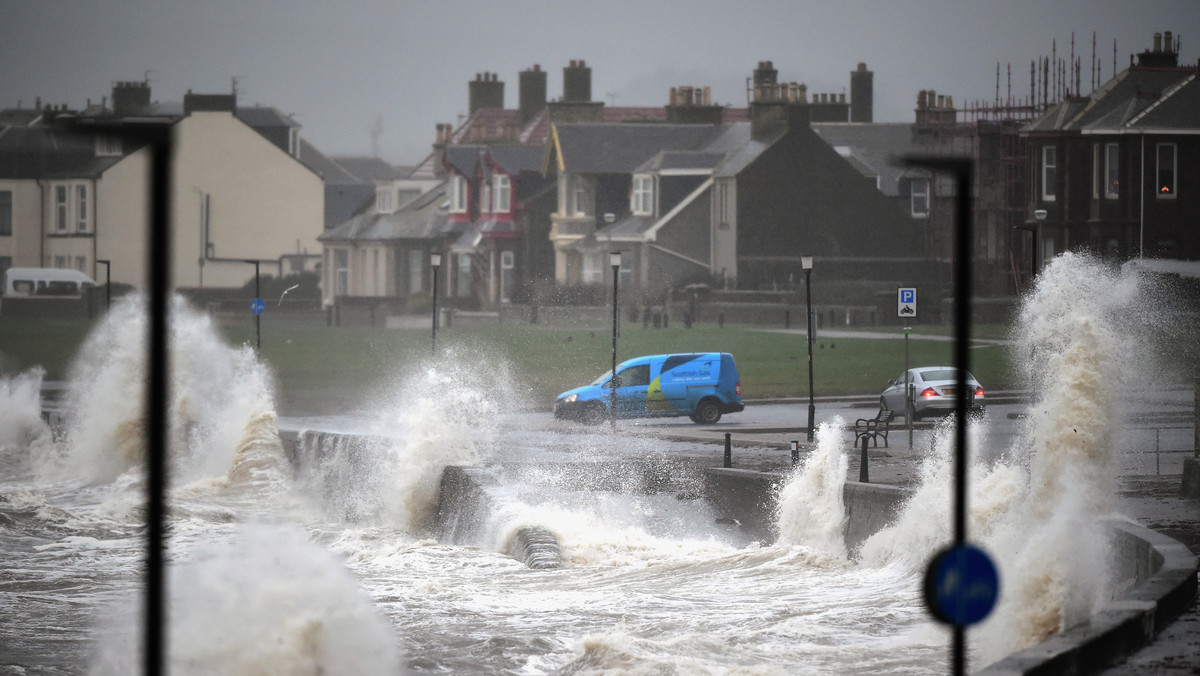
319, 367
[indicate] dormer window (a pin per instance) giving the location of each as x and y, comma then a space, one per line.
642, 200
919, 191
383, 200
502, 197
294, 141
108, 146
458, 195
485, 198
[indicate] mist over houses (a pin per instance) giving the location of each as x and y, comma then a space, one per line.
539, 204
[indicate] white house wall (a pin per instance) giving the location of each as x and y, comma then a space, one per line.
263, 203
122, 215
24, 245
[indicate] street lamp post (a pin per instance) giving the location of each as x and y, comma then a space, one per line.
257, 313
807, 262
614, 259
107, 282
435, 262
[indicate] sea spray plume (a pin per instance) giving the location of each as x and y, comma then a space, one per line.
811, 508
267, 601
217, 395
437, 414
1054, 551
21, 409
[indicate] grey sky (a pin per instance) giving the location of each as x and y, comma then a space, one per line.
337, 65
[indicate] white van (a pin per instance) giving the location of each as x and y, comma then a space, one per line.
35, 282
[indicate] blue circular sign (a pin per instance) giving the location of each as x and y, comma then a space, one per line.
961, 585
257, 306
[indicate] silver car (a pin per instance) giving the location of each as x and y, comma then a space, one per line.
932, 392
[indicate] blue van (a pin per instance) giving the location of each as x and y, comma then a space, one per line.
702, 386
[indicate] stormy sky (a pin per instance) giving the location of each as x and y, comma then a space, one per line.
344, 67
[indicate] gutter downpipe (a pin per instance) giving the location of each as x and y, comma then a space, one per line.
42, 217
1142, 202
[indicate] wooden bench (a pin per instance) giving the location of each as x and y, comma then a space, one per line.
873, 428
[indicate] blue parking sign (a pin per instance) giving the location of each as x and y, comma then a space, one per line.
257, 306
906, 301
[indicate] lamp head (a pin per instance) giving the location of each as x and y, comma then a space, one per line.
614, 259
1039, 214
435, 259
806, 262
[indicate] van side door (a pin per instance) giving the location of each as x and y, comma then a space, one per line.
632, 384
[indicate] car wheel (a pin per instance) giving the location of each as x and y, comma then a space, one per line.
593, 415
707, 412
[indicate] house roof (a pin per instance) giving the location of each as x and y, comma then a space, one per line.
264, 116
422, 218
50, 152
681, 161
19, 116
1136, 99
621, 148
872, 148
370, 169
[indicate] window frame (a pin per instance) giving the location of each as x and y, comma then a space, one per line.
502, 194
458, 194
508, 264
416, 271
578, 194
485, 198
1158, 162
341, 271
641, 200
6, 213
383, 200
1049, 173
81, 207
914, 195
62, 207
1112, 171
462, 276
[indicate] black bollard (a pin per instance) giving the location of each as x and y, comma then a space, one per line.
862, 464
795, 453
728, 451
787, 319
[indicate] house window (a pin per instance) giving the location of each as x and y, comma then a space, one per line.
1165, 181
294, 141
1112, 167
416, 271
81, 207
108, 146
81, 263
464, 276
1049, 172
383, 200
503, 195
593, 268
625, 272
458, 195
507, 265
578, 196
60, 208
642, 201
485, 198
919, 191
60, 262
6, 212
341, 272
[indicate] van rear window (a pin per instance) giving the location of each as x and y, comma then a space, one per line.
23, 285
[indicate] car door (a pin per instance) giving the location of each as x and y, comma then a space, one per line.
632, 384
893, 396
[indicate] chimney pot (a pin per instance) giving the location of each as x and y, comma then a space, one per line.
1167, 44
861, 66
1157, 42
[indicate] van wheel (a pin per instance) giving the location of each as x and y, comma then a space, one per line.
707, 412
593, 415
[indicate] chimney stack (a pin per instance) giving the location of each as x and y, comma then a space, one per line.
485, 91
130, 97
531, 92
577, 82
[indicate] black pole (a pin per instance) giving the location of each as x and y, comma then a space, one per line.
863, 475
909, 405
107, 282
728, 450
157, 396
961, 168
612, 407
812, 408
433, 343
257, 316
